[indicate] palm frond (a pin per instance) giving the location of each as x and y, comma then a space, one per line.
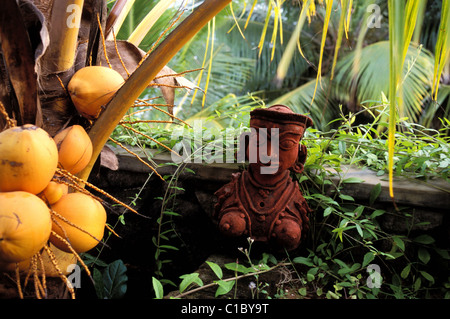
322, 110
227, 111
442, 50
371, 78
149, 20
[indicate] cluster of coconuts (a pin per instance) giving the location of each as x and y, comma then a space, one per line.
34, 202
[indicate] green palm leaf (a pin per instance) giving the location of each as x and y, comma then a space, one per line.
442, 50
322, 110
371, 78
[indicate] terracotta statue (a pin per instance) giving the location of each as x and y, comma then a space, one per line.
263, 202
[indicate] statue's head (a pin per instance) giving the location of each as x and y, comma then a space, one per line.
276, 135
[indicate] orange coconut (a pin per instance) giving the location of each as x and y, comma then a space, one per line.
74, 148
92, 87
53, 192
28, 159
62, 259
25, 226
82, 224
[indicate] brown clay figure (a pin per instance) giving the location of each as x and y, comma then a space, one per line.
263, 202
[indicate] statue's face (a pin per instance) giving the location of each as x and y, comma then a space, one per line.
277, 146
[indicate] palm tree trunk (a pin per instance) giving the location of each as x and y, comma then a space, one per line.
20, 65
64, 26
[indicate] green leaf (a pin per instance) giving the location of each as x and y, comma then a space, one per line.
224, 287
268, 258
238, 268
216, 268
310, 277
331, 295
443, 253
98, 280
358, 211
417, 284
303, 260
424, 255
377, 212
158, 288
374, 193
339, 231
303, 291
352, 180
368, 257
424, 239
380, 173
359, 229
168, 247
344, 269
115, 280
189, 279
328, 211
399, 242
342, 147
427, 276
346, 197
167, 212
302, 179
405, 271
92, 260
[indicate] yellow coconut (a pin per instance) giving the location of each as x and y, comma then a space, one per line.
92, 87
74, 148
63, 260
53, 192
25, 226
82, 224
28, 159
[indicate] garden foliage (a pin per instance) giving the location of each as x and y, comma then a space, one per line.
347, 253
